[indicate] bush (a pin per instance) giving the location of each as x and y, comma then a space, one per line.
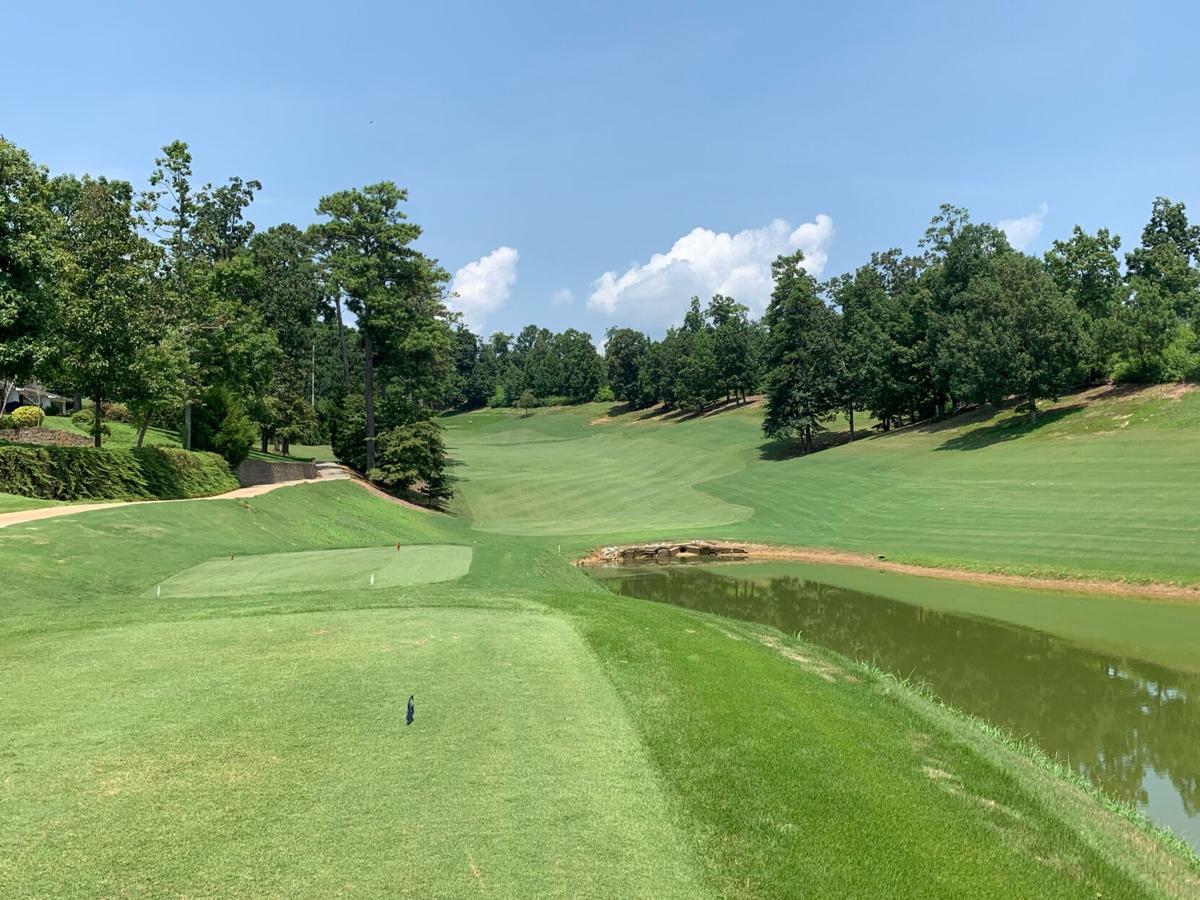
6, 422
28, 417
526, 401
93, 473
412, 455
116, 412
499, 397
221, 425
175, 474
84, 420
348, 433
605, 394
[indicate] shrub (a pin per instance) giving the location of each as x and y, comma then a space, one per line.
605, 394
117, 412
410, 455
6, 422
348, 433
221, 425
84, 420
172, 473
499, 397
28, 416
83, 473
526, 401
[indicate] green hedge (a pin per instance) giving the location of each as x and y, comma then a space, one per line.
91, 473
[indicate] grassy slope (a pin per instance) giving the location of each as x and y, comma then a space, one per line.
1095, 489
125, 435
568, 742
15, 503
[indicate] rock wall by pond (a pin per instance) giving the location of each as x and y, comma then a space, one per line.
670, 550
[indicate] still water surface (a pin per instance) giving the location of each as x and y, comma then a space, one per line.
1130, 725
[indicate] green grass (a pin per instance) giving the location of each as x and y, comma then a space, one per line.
15, 503
1096, 489
269, 756
315, 452
355, 569
241, 731
122, 434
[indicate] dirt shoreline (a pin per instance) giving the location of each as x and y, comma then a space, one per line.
753, 552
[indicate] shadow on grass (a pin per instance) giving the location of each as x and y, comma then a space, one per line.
663, 413
1011, 428
789, 448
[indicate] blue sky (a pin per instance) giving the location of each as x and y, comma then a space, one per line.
552, 150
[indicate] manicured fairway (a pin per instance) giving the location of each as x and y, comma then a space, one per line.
559, 487
358, 569
1100, 487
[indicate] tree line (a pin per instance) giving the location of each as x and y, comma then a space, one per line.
170, 302
966, 319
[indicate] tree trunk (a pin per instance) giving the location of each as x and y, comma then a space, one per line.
852, 424
1032, 410
187, 425
8, 386
369, 389
142, 428
337, 305
97, 420
264, 436
287, 447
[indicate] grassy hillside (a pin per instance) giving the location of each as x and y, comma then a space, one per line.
567, 742
1098, 487
122, 434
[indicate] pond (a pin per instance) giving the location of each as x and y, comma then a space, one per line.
1108, 685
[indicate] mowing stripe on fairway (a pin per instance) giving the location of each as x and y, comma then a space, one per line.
355, 569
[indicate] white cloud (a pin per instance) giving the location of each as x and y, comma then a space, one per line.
704, 263
483, 286
1024, 231
562, 297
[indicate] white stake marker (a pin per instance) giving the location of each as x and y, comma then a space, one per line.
372, 579
157, 591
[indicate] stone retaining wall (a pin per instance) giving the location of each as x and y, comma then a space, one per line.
259, 471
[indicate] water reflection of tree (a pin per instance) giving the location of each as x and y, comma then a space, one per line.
1110, 719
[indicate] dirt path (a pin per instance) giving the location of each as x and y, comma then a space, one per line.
326, 472
769, 552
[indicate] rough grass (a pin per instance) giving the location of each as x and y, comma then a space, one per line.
1096, 489
15, 503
